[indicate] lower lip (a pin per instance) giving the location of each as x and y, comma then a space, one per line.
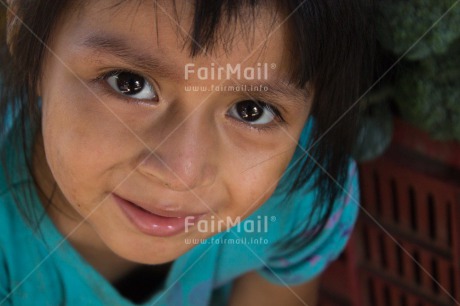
152, 224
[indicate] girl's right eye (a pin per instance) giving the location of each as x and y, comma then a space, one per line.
131, 85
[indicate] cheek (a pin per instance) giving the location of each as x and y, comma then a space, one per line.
254, 186
82, 148
76, 168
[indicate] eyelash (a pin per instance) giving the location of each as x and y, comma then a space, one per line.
102, 80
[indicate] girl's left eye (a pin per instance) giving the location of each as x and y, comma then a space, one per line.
254, 112
131, 85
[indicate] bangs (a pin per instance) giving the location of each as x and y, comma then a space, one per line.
313, 31
215, 24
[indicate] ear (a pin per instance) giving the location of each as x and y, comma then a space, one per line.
13, 23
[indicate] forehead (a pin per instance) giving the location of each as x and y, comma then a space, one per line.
166, 27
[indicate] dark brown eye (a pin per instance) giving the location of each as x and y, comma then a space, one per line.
253, 112
249, 110
132, 85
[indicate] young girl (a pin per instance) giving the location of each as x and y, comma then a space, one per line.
177, 152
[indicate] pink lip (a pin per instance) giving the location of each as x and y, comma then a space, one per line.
156, 223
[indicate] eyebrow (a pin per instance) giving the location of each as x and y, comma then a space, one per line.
279, 89
147, 61
120, 48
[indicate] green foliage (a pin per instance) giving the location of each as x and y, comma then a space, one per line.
402, 23
428, 94
426, 87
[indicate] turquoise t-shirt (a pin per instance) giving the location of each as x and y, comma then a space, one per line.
41, 268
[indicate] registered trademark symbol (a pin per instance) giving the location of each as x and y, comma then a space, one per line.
273, 218
273, 66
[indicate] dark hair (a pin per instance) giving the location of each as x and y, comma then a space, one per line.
331, 44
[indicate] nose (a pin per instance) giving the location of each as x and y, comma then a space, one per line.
184, 156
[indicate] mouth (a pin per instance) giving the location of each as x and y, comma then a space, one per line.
155, 222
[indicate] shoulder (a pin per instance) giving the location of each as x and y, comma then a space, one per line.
291, 213
301, 262
18, 249
27, 269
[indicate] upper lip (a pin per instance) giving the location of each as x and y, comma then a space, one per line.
161, 212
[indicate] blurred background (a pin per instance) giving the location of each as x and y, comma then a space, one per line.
405, 249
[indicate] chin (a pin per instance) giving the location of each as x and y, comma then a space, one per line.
151, 253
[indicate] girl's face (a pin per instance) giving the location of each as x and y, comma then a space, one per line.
124, 133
